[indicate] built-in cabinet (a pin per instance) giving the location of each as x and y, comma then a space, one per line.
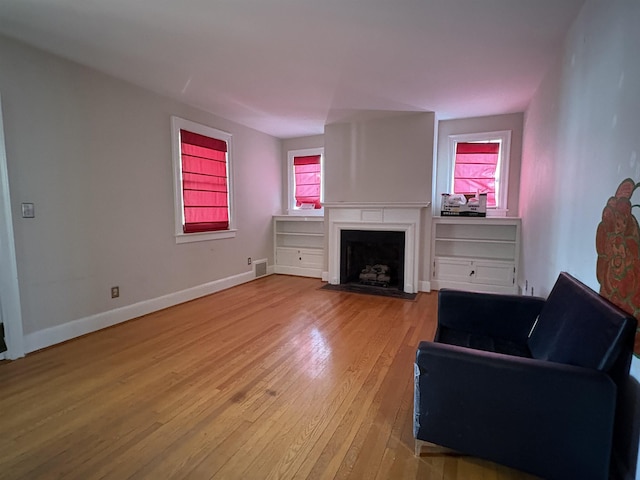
299, 245
477, 254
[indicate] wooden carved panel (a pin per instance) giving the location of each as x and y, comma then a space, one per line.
618, 247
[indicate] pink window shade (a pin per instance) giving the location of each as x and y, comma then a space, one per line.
307, 173
204, 183
475, 169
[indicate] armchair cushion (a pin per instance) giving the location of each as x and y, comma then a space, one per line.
487, 343
489, 322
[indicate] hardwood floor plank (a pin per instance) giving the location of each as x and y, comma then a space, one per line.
339, 444
372, 438
275, 378
355, 377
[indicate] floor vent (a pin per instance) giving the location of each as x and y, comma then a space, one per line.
260, 268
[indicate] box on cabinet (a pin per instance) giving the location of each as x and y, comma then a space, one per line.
467, 205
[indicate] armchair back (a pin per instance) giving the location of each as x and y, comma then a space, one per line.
579, 327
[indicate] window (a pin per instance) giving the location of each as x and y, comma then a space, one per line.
306, 185
480, 164
202, 171
475, 169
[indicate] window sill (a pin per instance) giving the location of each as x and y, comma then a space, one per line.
204, 236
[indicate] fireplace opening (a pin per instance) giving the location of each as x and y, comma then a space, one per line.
372, 258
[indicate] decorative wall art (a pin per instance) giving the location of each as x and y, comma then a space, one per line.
618, 247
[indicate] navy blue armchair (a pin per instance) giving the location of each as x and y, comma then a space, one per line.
525, 382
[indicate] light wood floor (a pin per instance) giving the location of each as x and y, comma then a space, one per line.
271, 379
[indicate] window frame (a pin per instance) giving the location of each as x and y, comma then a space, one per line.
178, 124
502, 169
291, 197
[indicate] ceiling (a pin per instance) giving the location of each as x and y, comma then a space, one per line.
288, 67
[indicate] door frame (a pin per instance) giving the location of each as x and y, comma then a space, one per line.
10, 309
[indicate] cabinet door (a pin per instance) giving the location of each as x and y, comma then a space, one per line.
494, 273
452, 269
311, 258
288, 257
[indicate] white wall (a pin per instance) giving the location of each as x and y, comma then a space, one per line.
512, 122
581, 139
94, 155
380, 160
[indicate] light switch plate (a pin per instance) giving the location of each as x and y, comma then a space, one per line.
28, 210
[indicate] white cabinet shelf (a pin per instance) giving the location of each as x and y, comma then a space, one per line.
477, 254
475, 240
295, 234
299, 245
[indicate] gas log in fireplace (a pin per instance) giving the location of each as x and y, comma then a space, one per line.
372, 258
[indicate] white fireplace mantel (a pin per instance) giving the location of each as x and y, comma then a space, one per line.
382, 217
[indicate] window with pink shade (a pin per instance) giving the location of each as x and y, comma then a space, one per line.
479, 163
203, 181
306, 184
308, 181
475, 169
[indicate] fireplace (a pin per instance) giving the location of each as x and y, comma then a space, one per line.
403, 219
372, 258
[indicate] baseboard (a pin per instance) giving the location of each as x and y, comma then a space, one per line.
82, 326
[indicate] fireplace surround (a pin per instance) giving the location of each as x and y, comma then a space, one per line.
405, 218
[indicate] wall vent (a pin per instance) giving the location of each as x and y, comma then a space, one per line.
260, 268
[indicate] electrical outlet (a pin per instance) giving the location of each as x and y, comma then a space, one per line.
248, 260
28, 210
115, 292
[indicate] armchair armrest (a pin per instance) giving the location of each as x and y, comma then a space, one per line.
502, 316
550, 419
